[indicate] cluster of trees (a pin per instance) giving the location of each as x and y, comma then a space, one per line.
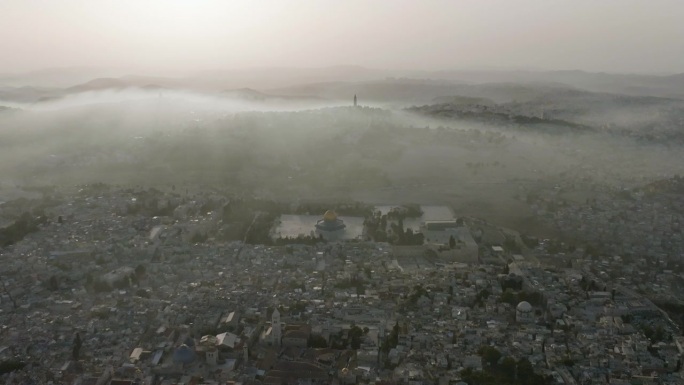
300, 240
529, 241
355, 209
510, 297
417, 292
475, 167
297, 307
376, 228
99, 285
392, 340
674, 185
588, 285
8, 366
555, 246
317, 341
358, 284
355, 335
674, 310
595, 251
26, 224
511, 282
408, 210
482, 296
199, 237
405, 237
339, 341
657, 334
259, 232
464, 137
147, 203
506, 370
52, 283
501, 116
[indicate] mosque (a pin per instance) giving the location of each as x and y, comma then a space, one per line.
330, 222
330, 227
524, 313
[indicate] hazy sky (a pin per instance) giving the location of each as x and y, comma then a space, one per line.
595, 35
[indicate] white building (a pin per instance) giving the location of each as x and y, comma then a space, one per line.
524, 313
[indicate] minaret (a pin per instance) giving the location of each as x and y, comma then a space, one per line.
354, 100
245, 352
275, 327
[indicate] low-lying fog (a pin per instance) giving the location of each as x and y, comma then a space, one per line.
481, 157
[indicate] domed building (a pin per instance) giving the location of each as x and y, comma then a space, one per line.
524, 313
190, 342
330, 222
184, 355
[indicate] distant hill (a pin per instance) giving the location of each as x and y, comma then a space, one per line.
254, 95
153, 87
466, 100
57, 77
673, 185
416, 91
630, 84
99, 85
27, 94
45, 94
246, 94
397, 88
6, 109
275, 78
499, 116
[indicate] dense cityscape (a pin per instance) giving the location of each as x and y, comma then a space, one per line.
108, 285
326, 192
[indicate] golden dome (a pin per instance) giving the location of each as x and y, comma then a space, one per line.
329, 216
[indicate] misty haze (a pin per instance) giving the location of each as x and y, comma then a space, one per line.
327, 192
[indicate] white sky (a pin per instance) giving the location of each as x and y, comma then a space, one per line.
594, 35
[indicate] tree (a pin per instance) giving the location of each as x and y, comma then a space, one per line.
511, 245
525, 371
53, 285
76, 347
355, 334
567, 361
317, 341
10, 365
452, 241
392, 339
101, 286
490, 355
9, 294
507, 368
